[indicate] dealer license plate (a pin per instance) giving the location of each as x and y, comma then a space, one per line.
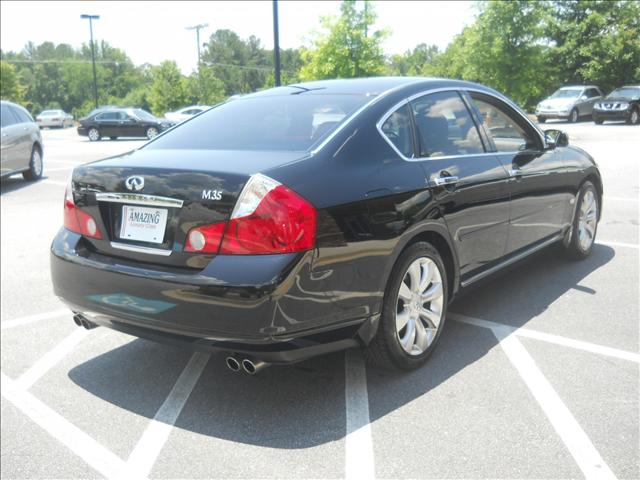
143, 224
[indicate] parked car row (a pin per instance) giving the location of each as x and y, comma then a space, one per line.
573, 102
21, 144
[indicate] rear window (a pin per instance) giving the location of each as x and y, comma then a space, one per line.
264, 123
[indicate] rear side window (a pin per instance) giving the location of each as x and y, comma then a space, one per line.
21, 115
7, 116
444, 126
268, 123
108, 116
397, 128
508, 135
592, 92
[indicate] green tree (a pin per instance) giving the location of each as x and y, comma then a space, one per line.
10, 86
204, 88
596, 42
347, 48
169, 88
413, 62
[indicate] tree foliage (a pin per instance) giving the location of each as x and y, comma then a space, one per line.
347, 48
10, 86
169, 88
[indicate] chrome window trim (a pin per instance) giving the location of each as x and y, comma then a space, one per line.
139, 199
459, 90
140, 249
351, 117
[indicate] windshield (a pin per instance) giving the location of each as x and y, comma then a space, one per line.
629, 92
263, 123
143, 114
566, 93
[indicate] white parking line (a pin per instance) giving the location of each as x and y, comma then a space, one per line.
94, 454
618, 244
51, 359
18, 322
546, 337
563, 421
620, 199
146, 451
359, 462
55, 182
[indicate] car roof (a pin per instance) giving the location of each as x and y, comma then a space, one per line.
371, 86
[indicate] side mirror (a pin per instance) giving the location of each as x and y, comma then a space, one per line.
556, 138
584, 97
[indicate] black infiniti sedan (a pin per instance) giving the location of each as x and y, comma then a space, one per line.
320, 216
121, 122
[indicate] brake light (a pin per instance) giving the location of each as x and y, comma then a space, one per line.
76, 220
269, 218
205, 239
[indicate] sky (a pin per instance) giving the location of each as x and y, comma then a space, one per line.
150, 32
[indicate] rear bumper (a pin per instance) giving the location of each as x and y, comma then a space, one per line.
258, 305
82, 131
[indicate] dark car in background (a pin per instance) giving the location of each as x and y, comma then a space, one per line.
122, 122
320, 216
21, 143
621, 104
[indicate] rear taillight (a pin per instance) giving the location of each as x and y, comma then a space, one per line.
76, 220
268, 218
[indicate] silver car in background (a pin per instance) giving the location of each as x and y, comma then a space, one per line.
569, 103
21, 143
54, 118
185, 113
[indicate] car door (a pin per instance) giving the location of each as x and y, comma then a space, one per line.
470, 185
593, 95
9, 157
23, 131
538, 196
108, 124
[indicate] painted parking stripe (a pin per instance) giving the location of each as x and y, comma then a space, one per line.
359, 461
85, 447
618, 244
18, 322
146, 451
621, 199
55, 182
546, 337
51, 359
566, 426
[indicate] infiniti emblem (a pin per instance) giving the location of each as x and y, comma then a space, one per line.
134, 183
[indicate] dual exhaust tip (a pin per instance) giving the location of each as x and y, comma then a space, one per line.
248, 365
80, 321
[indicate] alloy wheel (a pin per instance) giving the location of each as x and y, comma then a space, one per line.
574, 116
36, 162
588, 216
634, 117
152, 132
94, 135
419, 306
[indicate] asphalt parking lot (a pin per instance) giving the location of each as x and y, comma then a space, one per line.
536, 375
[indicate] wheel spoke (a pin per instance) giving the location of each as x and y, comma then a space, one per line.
432, 318
405, 292
589, 229
409, 338
427, 275
435, 291
422, 336
414, 275
402, 319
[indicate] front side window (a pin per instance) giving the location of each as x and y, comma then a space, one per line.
507, 134
21, 115
444, 126
592, 92
397, 128
7, 116
293, 122
108, 116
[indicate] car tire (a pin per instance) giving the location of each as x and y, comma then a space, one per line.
35, 165
387, 349
94, 134
598, 121
585, 223
151, 132
542, 119
574, 116
113, 138
634, 117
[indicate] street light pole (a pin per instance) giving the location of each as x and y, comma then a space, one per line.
93, 54
276, 43
197, 28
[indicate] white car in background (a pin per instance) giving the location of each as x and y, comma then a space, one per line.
185, 113
569, 103
54, 118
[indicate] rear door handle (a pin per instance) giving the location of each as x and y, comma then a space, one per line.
446, 180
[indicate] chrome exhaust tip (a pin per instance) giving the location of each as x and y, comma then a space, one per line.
253, 366
232, 363
77, 319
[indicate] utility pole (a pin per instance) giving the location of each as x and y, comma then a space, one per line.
197, 28
276, 43
91, 18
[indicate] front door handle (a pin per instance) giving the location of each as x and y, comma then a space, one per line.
515, 172
450, 180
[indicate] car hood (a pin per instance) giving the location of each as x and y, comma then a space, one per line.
621, 99
557, 102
